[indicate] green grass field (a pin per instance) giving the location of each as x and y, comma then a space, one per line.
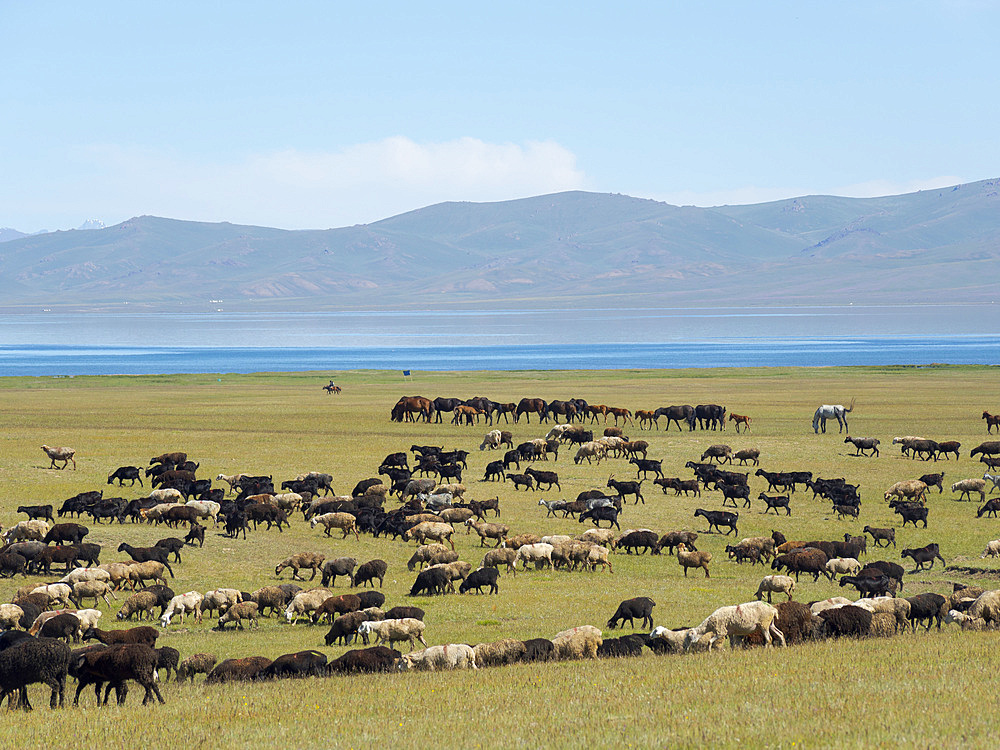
912, 690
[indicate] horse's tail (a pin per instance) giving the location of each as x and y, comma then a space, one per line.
851, 407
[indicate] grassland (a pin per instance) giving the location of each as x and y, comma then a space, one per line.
920, 690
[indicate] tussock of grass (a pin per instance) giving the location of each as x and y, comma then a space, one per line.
911, 690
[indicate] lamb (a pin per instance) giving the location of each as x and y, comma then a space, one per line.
699, 559
305, 602
60, 454
494, 558
992, 549
965, 622
439, 532
540, 554
736, 622
301, 561
35, 660
183, 604
578, 643
842, 566
340, 566
967, 486
775, 584
391, 631
450, 656
343, 521
911, 489
238, 613
242, 670
499, 653
220, 600
10, 616
195, 664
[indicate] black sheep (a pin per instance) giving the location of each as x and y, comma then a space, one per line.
163, 595
341, 566
890, 569
925, 608
299, 664
173, 545
195, 534
64, 626
371, 599
89, 553
344, 628
638, 540
116, 665
846, 622
66, 532
368, 572
31, 612
539, 649
237, 670
398, 613
167, 659
11, 564
628, 645
479, 578
365, 660
434, 581
34, 660
630, 609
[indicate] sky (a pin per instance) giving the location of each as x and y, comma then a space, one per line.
321, 114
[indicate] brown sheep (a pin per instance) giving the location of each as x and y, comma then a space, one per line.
699, 559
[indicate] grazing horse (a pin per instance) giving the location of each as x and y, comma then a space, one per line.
485, 406
740, 419
527, 406
562, 408
407, 406
831, 411
332, 388
676, 414
992, 420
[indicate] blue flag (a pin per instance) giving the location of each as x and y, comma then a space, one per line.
406, 373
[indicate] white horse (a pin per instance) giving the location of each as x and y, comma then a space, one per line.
831, 411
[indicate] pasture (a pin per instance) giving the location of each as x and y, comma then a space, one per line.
911, 690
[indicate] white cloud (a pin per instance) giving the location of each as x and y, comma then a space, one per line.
756, 194
300, 189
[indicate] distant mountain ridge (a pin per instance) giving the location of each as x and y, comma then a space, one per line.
566, 248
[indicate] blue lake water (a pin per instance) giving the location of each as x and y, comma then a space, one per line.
220, 342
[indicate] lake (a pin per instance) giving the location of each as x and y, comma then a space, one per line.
53, 344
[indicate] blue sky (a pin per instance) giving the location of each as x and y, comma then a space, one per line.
314, 115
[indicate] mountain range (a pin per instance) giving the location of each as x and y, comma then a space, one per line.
567, 249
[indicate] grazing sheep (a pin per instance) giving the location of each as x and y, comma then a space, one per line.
965, 621
775, 584
427, 552
195, 664
992, 549
343, 521
494, 558
967, 486
10, 616
736, 622
142, 634
92, 590
842, 566
367, 573
538, 649
269, 598
986, 606
140, 603
578, 643
392, 631
639, 607
57, 593
301, 561
499, 653
35, 660
183, 604
336, 605
238, 670
848, 621
432, 581
220, 600
305, 602
238, 613
890, 605
450, 656
365, 661
340, 566
909, 489
539, 554
604, 537
699, 559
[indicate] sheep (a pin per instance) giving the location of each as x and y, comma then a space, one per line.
343, 521
884, 535
426, 552
183, 604
60, 454
992, 549
450, 656
539, 553
268, 598
640, 606
578, 643
494, 558
10, 616
391, 631
340, 566
736, 622
366, 661
206, 509
58, 593
965, 621
238, 613
151, 570
598, 555
139, 603
439, 532
64, 625
499, 653
336, 605
220, 599
345, 628
305, 602
926, 608
521, 540
35, 529
842, 566
367, 572
986, 606
302, 560
722, 453
35, 660
890, 605
86, 574
195, 664
967, 486
242, 670
775, 584
912, 489
142, 634
699, 559
119, 573
604, 537
497, 531
848, 621
92, 590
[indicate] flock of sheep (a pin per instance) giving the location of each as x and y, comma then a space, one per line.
44, 618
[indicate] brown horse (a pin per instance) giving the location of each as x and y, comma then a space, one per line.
646, 418
740, 419
594, 409
407, 406
617, 411
331, 389
992, 420
528, 406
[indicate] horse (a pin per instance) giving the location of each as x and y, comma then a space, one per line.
445, 404
331, 389
597, 409
831, 411
992, 420
562, 408
646, 419
740, 419
407, 406
676, 414
618, 411
527, 406
710, 415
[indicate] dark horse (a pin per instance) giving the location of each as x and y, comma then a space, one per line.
992, 420
445, 404
527, 406
711, 415
407, 406
331, 389
562, 408
676, 414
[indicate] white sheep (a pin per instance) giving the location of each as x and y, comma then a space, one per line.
598, 555
540, 554
10, 616
58, 593
206, 509
231, 479
965, 621
86, 574
450, 656
908, 489
675, 639
992, 549
897, 607
604, 537
183, 604
986, 606
305, 602
776, 585
168, 495
33, 530
842, 566
92, 590
438, 532
578, 643
736, 622
88, 618
220, 599
390, 631
831, 603
556, 539
967, 486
